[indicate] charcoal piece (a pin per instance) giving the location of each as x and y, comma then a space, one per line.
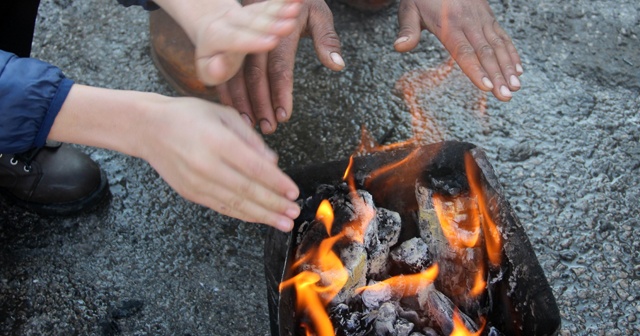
389, 225
412, 256
430, 332
440, 310
376, 294
355, 216
325, 191
402, 327
377, 262
385, 318
411, 315
447, 186
458, 265
347, 322
314, 234
416, 333
493, 331
354, 259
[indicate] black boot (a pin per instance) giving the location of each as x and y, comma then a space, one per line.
54, 180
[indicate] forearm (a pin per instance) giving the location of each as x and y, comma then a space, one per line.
105, 118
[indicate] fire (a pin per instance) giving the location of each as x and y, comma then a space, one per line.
465, 221
325, 215
406, 285
348, 177
493, 240
480, 284
459, 220
459, 329
315, 289
462, 221
369, 145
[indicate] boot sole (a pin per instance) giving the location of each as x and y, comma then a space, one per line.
100, 195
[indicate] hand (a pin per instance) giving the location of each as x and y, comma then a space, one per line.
223, 31
210, 156
201, 149
471, 34
262, 91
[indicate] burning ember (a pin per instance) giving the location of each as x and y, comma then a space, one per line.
410, 241
353, 276
413, 243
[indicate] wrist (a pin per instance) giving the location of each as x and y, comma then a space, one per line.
112, 119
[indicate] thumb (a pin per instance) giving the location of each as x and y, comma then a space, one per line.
410, 27
219, 68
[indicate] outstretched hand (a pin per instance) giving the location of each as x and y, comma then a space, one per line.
202, 150
262, 91
471, 34
210, 156
223, 32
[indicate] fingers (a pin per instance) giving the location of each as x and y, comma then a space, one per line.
485, 58
469, 31
234, 93
410, 27
257, 83
229, 204
511, 48
224, 40
238, 195
253, 187
268, 17
209, 155
245, 186
325, 38
281, 64
264, 90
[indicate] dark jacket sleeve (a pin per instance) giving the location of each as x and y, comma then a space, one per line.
146, 4
31, 95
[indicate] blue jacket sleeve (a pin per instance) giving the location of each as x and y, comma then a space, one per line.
146, 4
31, 95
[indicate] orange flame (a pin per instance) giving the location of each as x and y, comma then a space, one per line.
492, 237
325, 275
459, 220
315, 289
348, 177
369, 145
480, 284
406, 285
325, 215
459, 329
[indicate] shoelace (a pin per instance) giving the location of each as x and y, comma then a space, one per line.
26, 157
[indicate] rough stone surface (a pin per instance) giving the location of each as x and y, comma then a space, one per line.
566, 150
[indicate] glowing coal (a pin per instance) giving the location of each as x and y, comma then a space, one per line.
427, 245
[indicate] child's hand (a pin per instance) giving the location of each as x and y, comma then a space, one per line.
224, 32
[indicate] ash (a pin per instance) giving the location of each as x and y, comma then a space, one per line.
367, 305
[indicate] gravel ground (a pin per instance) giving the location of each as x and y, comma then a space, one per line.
566, 150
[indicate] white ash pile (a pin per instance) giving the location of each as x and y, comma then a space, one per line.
388, 290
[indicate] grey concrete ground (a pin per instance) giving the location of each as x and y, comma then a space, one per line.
566, 149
